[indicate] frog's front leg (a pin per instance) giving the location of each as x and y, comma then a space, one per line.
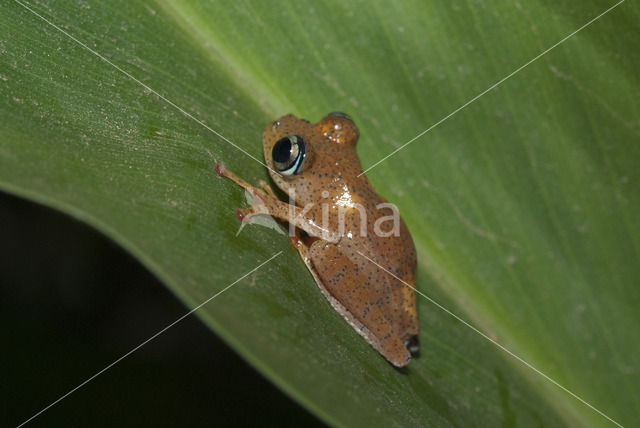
267, 203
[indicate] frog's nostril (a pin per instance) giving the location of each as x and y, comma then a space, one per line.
281, 151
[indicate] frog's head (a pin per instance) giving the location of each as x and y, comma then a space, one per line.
307, 156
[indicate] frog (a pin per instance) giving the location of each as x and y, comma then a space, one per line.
366, 274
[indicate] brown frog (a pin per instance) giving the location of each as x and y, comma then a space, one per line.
342, 229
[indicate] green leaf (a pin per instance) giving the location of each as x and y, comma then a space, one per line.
523, 205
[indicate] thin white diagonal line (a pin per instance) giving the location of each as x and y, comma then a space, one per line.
149, 339
529, 365
490, 88
147, 87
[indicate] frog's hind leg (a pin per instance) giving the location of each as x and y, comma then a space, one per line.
355, 298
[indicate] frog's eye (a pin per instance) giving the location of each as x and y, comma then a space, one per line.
288, 154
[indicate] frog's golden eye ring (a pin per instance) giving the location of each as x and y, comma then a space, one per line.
288, 154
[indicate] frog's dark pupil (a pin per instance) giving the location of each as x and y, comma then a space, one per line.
288, 154
282, 151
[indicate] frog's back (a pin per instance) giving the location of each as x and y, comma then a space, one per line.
368, 271
394, 251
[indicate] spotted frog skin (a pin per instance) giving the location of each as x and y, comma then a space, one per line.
317, 166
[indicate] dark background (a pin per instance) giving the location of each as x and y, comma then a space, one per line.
72, 302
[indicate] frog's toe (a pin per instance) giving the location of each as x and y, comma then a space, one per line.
265, 186
221, 170
244, 215
295, 242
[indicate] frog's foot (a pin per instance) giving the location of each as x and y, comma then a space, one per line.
303, 249
295, 241
257, 208
258, 205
